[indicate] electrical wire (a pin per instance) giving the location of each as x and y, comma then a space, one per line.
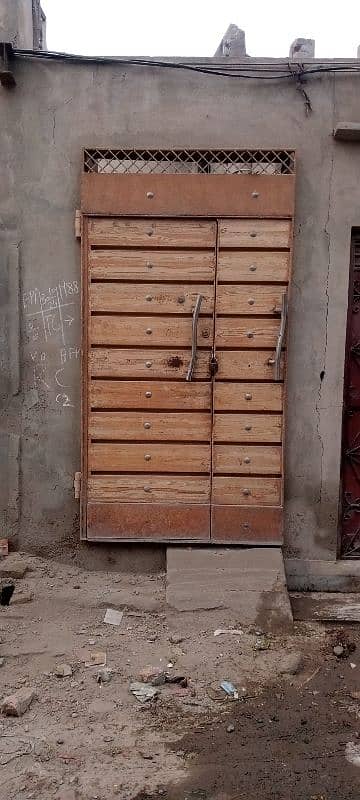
256, 71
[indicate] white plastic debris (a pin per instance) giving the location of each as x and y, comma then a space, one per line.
113, 617
231, 631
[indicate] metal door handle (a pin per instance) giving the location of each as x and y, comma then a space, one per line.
195, 318
280, 339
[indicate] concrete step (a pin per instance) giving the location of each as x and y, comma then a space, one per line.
248, 581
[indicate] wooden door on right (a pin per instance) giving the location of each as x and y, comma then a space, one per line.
253, 269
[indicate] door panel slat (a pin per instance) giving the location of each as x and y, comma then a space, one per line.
144, 426
149, 298
249, 300
150, 331
248, 396
123, 363
247, 459
154, 265
149, 488
247, 427
163, 458
248, 233
246, 491
252, 267
151, 233
239, 332
135, 521
245, 365
150, 395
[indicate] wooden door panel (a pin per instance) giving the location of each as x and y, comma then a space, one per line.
253, 525
146, 298
149, 233
238, 266
239, 332
247, 427
152, 265
247, 459
136, 522
165, 395
271, 233
146, 457
249, 300
245, 365
149, 488
246, 491
177, 331
123, 363
248, 396
145, 426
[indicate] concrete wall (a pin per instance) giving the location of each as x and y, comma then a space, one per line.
55, 110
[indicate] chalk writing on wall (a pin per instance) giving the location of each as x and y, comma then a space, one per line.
51, 318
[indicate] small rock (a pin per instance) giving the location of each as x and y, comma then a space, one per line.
60, 740
153, 675
24, 597
16, 704
104, 675
262, 643
2, 662
63, 671
176, 639
291, 664
338, 650
230, 728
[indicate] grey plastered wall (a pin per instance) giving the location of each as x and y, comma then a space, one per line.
55, 110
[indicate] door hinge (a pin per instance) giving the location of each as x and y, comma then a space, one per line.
77, 485
77, 224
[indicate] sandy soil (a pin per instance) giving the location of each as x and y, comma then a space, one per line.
286, 737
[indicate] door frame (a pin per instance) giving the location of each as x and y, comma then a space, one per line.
168, 196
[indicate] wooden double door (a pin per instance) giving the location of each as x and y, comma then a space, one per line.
184, 369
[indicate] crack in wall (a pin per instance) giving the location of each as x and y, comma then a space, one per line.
318, 406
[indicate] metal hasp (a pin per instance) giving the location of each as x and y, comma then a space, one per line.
195, 318
280, 340
7, 79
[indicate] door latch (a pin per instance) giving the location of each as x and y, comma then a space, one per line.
214, 366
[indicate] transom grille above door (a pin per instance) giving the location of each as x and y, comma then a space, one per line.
208, 162
185, 359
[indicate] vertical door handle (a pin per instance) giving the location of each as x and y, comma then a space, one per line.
280, 339
195, 318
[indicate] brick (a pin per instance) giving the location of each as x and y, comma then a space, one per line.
13, 567
16, 704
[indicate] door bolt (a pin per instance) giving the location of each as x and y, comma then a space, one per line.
148, 394
147, 489
253, 235
149, 298
250, 335
248, 396
148, 363
246, 492
247, 460
252, 268
147, 457
255, 194
150, 195
148, 330
251, 301
181, 299
248, 427
147, 425
149, 265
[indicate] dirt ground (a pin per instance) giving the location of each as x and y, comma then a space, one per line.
287, 737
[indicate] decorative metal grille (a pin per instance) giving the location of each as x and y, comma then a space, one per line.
182, 162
